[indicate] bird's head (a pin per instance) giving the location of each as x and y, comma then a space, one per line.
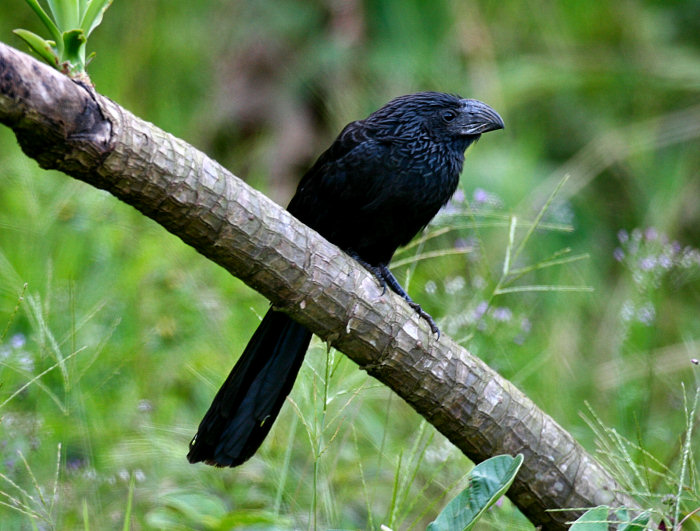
444, 117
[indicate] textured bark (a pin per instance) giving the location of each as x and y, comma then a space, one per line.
67, 126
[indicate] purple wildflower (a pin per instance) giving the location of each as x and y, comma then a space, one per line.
646, 314
480, 310
651, 234
481, 196
502, 314
18, 341
647, 263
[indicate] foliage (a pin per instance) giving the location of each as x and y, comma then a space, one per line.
600, 519
488, 481
670, 491
114, 335
70, 24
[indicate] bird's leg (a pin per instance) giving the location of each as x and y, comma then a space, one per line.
387, 278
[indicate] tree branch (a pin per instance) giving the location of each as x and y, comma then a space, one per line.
67, 126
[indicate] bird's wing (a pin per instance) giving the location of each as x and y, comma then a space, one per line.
356, 155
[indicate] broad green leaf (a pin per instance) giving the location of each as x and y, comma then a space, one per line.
93, 15
488, 481
637, 524
42, 47
595, 519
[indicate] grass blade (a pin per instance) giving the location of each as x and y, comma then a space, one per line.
539, 216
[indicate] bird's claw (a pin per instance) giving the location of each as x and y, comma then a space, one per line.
425, 315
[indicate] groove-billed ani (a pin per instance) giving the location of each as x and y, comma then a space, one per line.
379, 183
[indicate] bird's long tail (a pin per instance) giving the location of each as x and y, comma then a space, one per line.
247, 404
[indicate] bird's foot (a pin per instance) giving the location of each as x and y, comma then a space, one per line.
377, 271
386, 278
425, 315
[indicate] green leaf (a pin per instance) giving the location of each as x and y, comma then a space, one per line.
74, 49
488, 481
41, 47
93, 15
190, 507
72, 23
162, 518
73, 40
65, 13
45, 19
637, 524
595, 519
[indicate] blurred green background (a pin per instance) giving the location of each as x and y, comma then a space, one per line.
114, 335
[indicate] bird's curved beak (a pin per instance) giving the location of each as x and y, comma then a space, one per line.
477, 117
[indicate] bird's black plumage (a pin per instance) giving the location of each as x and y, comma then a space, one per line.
380, 182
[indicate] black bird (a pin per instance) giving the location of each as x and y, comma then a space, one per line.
381, 181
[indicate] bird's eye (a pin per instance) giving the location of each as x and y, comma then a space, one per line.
449, 115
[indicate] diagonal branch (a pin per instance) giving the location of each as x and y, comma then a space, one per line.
67, 126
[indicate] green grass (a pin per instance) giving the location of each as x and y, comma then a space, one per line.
114, 336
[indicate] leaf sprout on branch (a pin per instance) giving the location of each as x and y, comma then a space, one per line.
70, 23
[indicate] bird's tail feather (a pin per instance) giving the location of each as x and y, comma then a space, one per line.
247, 404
